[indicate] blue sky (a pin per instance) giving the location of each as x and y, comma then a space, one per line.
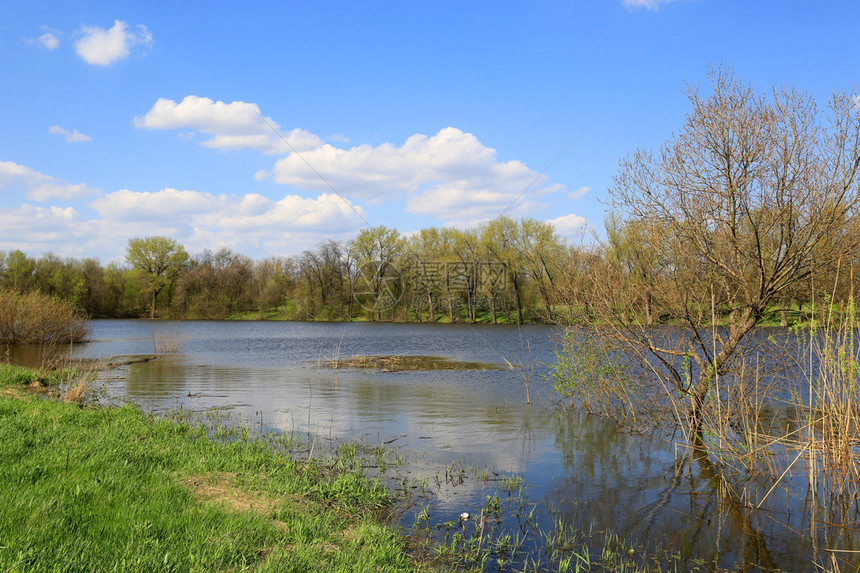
125, 120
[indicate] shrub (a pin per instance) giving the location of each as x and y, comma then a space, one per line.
35, 317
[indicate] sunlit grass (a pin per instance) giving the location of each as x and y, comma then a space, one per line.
98, 489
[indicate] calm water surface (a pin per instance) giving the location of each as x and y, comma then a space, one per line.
576, 468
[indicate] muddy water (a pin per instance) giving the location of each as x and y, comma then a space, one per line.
471, 424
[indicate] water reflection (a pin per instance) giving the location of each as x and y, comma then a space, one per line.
579, 468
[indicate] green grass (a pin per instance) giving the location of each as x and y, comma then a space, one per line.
113, 489
18, 375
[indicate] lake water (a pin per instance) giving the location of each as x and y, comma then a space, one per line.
454, 429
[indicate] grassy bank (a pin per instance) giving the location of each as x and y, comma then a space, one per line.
113, 489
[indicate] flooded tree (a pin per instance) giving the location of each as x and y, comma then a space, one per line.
755, 195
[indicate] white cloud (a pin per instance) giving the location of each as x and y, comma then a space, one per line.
38, 186
251, 223
326, 213
49, 41
232, 126
647, 4
579, 193
37, 230
170, 205
570, 225
101, 47
71, 136
449, 175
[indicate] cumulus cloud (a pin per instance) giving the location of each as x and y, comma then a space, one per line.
71, 136
103, 47
38, 186
326, 213
232, 126
250, 222
647, 4
165, 205
569, 225
37, 230
450, 175
446, 175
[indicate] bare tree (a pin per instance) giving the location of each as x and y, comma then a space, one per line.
757, 193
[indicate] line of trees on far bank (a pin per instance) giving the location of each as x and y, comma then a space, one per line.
501, 271
505, 270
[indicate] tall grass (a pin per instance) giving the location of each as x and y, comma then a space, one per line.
812, 445
829, 417
34, 317
168, 342
824, 438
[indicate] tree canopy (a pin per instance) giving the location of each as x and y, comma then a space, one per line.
158, 260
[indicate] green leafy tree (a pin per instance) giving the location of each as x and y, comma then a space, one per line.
61, 277
158, 262
274, 281
376, 251
501, 237
19, 271
543, 254
426, 252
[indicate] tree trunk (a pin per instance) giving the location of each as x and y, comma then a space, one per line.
708, 371
649, 309
518, 300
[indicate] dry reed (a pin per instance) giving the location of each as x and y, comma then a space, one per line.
76, 392
168, 342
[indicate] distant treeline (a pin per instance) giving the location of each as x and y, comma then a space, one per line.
503, 271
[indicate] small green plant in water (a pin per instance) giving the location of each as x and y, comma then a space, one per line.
589, 370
